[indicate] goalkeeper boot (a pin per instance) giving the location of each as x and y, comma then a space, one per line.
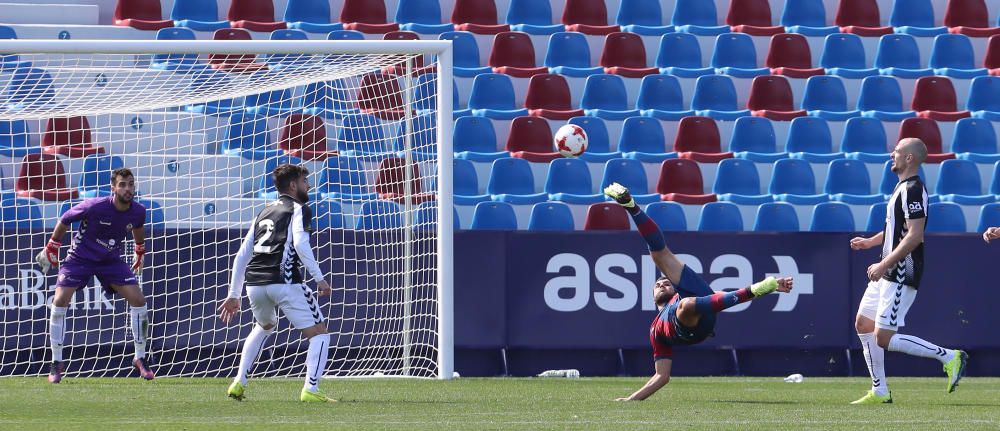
236, 390
956, 369
762, 288
620, 194
871, 398
142, 365
308, 396
56, 371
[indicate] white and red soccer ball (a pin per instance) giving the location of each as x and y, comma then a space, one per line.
570, 140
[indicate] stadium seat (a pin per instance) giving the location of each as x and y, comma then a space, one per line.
720, 217
477, 16
945, 217
587, 17
680, 181
698, 139
277, 102
876, 218
28, 87
197, 15
421, 16
380, 215
792, 181
952, 55
69, 137
975, 140
494, 216
604, 96
569, 180
789, 55
95, 180
511, 181
832, 217
15, 140
287, 34
330, 99
17, 214
776, 217
551, 216
304, 136
598, 142
254, 15
697, 17
172, 61
826, 97
10, 61
753, 139
513, 54
860, 17
466, 183
625, 55
642, 139
465, 54
848, 181
379, 94
865, 136
752, 17
390, 182
141, 15
844, 56
311, 16
989, 216
474, 139
809, 139
715, 97
530, 138
568, 54
738, 181
328, 214
423, 141
680, 55
771, 97
361, 134
235, 63
43, 177
366, 16
934, 98
606, 216
660, 97
984, 97
343, 177
890, 179
926, 130
735, 55
807, 17
959, 182
881, 98
345, 35
967, 13
898, 55
247, 135
532, 17
669, 216
915, 17
629, 173
642, 17
992, 58
548, 96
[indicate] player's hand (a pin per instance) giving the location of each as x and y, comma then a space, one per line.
228, 309
991, 234
876, 271
861, 243
623, 399
140, 251
48, 258
785, 284
324, 288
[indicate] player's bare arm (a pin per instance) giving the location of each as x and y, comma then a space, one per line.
659, 379
913, 238
862, 243
991, 234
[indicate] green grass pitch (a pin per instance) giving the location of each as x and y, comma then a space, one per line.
496, 403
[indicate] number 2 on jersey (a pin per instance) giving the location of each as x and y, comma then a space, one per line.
268, 227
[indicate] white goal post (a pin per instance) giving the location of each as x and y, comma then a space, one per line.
201, 123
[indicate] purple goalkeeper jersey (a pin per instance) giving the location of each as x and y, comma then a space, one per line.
101, 236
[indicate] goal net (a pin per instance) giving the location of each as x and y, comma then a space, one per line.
202, 124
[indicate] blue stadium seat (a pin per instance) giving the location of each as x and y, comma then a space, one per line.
287, 34
881, 98
952, 55
642, 17
425, 94
569, 181
492, 96
975, 140
832, 217
14, 139
474, 139
753, 139
604, 96
96, 177
28, 87
171, 61
421, 16
642, 139
959, 182
10, 61
915, 18
660, 97
864, 139
343, 177
793, 181
465, 54
807, 17
738, 181
155, 217
598, 142
511, 181
345, 35
426, 219
568, 54
809, 139
715, 97
847, 181
328, 99
844, 56
379, 215
679, 54
327, 214
271, 103
466, 184
361, 134
697, 17
629, 173
898, 55
826, 97
18, 213
945, 217
551, 216
890, 179
989, 216
532, 17
876, 218
669, 216
311, 16
735, 55
197, 15
494, 216
720, 217
984, 98
247, 136
776, 217
423, 140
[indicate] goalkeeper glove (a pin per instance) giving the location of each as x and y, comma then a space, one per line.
140, 250
48, 258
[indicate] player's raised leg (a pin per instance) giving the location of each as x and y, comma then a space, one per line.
138, 326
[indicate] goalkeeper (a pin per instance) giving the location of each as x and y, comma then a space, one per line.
686, 306
96, 250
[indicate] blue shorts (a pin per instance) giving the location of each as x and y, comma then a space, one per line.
74, 274
691, 285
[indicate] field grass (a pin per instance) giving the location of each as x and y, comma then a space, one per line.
476, 404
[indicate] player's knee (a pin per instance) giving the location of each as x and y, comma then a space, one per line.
266, 326
882, 338
315, 330
138, 302
864, 325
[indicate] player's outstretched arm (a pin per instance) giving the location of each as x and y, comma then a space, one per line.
48, 258
659, 380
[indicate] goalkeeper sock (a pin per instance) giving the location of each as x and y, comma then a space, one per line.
319, 350
875, 358
720, 301
251, 349
139, 323
57, 331
918, 347
647, 228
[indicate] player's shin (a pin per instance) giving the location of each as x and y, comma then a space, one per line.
251, 350
139, 325
57, 331
720, 301
875, 359
319, 347
919, 347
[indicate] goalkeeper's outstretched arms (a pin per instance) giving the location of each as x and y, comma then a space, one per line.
231, 305
48, 258
665, 260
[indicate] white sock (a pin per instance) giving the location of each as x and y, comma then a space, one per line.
917, 347
139, 324
875, 358
251, 349
319, 350
57, 331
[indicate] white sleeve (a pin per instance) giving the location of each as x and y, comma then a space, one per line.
300, 238
240, 265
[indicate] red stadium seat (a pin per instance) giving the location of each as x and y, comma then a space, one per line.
926, 130
42, 177
69, 137
587, 17
513, 54
934, 98
548, 96
789, 55
698, 139
967, 13
366, 16
771, 97
752, 17
381, 96
530, 138
235, 63
304, 136
606, 216
860, 17
625, 55
253, 15
992, 60
390, 182
400, 69
477, 16
141, 14
680, 181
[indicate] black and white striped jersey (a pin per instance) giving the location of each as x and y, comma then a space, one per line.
908, 202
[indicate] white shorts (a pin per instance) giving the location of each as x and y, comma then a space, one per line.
296, 302
886, 303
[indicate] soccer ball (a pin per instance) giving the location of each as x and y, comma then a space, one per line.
571, 140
